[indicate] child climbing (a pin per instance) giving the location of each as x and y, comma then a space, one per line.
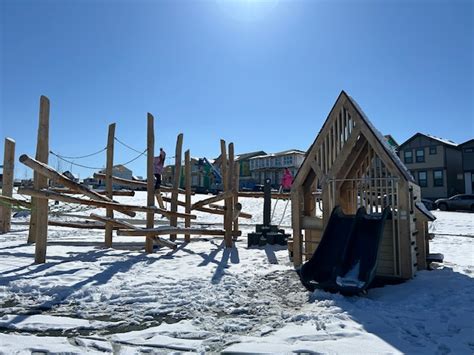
287, 180
158, 165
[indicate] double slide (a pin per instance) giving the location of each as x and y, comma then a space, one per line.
346, 258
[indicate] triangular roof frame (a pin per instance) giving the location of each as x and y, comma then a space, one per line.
365, 128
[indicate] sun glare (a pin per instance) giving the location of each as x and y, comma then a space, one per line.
247, 10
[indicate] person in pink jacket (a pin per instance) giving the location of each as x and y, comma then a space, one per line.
158, 166
287, 180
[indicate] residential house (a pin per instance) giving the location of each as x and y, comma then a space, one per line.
392, 142
435, 163
92, 182
245, 175
71, 176
272, 166
205, 177
120, 171
467, 151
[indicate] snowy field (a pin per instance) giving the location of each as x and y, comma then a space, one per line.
206, 298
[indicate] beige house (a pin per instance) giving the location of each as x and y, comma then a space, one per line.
435, 163
272, 166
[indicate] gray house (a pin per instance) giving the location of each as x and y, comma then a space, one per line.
467, 150
435, 163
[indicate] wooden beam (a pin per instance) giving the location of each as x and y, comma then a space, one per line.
109, 182
308, 222
15, 202
7, 184
64, 190
38, 232
168, 230
150, 217
222, 196
349, 145
46, 194
281, 196
296, 193
126, 225
318, 172
49, 172
237, 205
78, 225
177, 177
213, 209
228, 204
113, 221
187, 209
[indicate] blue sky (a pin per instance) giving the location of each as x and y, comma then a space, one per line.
263, 74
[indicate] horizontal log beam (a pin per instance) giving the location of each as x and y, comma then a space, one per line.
114, 222
312, 223
216, 209
115, 206
123, 224
15, 202
169, 230
79, 225
281, 195
220, 197
63, 190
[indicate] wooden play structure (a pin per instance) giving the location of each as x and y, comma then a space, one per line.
45, 174
350, 165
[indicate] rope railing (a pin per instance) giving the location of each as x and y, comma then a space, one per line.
126, 145
78, 157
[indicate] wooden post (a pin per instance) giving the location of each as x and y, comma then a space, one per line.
236, 196
7, 184
109, 183
229, 211
39, 207
177, 176
150, 217
296, 224
187, 170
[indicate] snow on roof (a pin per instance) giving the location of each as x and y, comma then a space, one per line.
442, 140
285, 152
422, 208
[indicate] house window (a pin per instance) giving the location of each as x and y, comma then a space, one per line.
422, 179
433, 150
408, 156
468, 150
287, 160
438, 178
420, 155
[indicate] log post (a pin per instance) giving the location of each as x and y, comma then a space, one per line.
225, 188
187, 170
39, 207
236, 197
230, 211
7, 184
150, 217
177, 176
109, 183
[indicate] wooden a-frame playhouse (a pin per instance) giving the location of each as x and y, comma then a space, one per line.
351, 165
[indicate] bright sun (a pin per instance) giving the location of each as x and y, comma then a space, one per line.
247, 10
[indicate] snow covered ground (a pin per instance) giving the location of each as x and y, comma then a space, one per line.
206, 298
